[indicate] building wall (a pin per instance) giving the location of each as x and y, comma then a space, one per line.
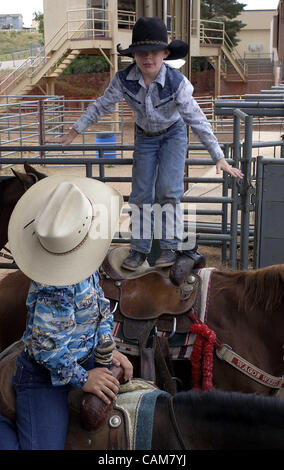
55, 15
16, 21
256, 35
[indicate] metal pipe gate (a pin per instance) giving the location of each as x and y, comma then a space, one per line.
223, 237
237, 195
247, 193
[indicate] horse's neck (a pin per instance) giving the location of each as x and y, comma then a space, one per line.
238, 321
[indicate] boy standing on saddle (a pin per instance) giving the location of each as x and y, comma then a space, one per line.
162, 101
59, 234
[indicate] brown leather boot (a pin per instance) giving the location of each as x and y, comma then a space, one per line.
133, 260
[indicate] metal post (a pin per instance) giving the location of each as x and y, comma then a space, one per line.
41, 126
20, 126
225, 210
282, 151
102, 168
259, 183
245, 194
234, 206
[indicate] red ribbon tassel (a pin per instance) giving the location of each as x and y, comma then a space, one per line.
202, 354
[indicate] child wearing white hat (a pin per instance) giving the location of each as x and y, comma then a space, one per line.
59, 233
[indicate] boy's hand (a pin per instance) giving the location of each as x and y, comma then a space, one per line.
119, 359
64, 140
102, 384
222, 164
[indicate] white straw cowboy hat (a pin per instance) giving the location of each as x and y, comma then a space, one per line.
62, 227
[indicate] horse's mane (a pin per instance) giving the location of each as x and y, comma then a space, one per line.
261, 288
213, 403
251, 417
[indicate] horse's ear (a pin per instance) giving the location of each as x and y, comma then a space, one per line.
24, 179
20, 176
33, 172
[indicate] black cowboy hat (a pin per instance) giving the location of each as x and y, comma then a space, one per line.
150, 34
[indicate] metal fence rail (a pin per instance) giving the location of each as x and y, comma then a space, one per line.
224, 237
235, 201
26, 125
246, 111
32, 121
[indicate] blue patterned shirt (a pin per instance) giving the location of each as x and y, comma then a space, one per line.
157, 107
64, 325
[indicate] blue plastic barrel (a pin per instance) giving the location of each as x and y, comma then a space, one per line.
106, 139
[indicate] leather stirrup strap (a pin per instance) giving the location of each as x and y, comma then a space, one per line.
163, 365
140, 331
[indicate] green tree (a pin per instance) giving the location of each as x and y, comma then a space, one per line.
87, 64
38, 16
226, 11
219, 10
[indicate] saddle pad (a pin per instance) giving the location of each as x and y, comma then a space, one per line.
205, 276
145, 419
180, 344
131, 399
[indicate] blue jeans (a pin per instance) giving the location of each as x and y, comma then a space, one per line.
157, 177
42, 410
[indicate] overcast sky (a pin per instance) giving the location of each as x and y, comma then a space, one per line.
28, 7
260, 4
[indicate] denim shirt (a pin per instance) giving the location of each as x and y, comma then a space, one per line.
167, 99
64, 326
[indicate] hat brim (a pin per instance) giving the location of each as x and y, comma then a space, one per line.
61, 270
178, 49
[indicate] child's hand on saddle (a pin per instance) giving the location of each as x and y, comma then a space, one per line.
222, 164
119, 359
102, 383
63, 140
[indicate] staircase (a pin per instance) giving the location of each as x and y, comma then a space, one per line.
258, 68
215, 44
59, 52
259, 65
63, 63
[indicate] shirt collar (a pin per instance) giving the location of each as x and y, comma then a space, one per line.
135, 74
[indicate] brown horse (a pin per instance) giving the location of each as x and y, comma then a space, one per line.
194, 420
244, 309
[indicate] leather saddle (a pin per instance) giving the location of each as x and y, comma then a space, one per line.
147, 300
